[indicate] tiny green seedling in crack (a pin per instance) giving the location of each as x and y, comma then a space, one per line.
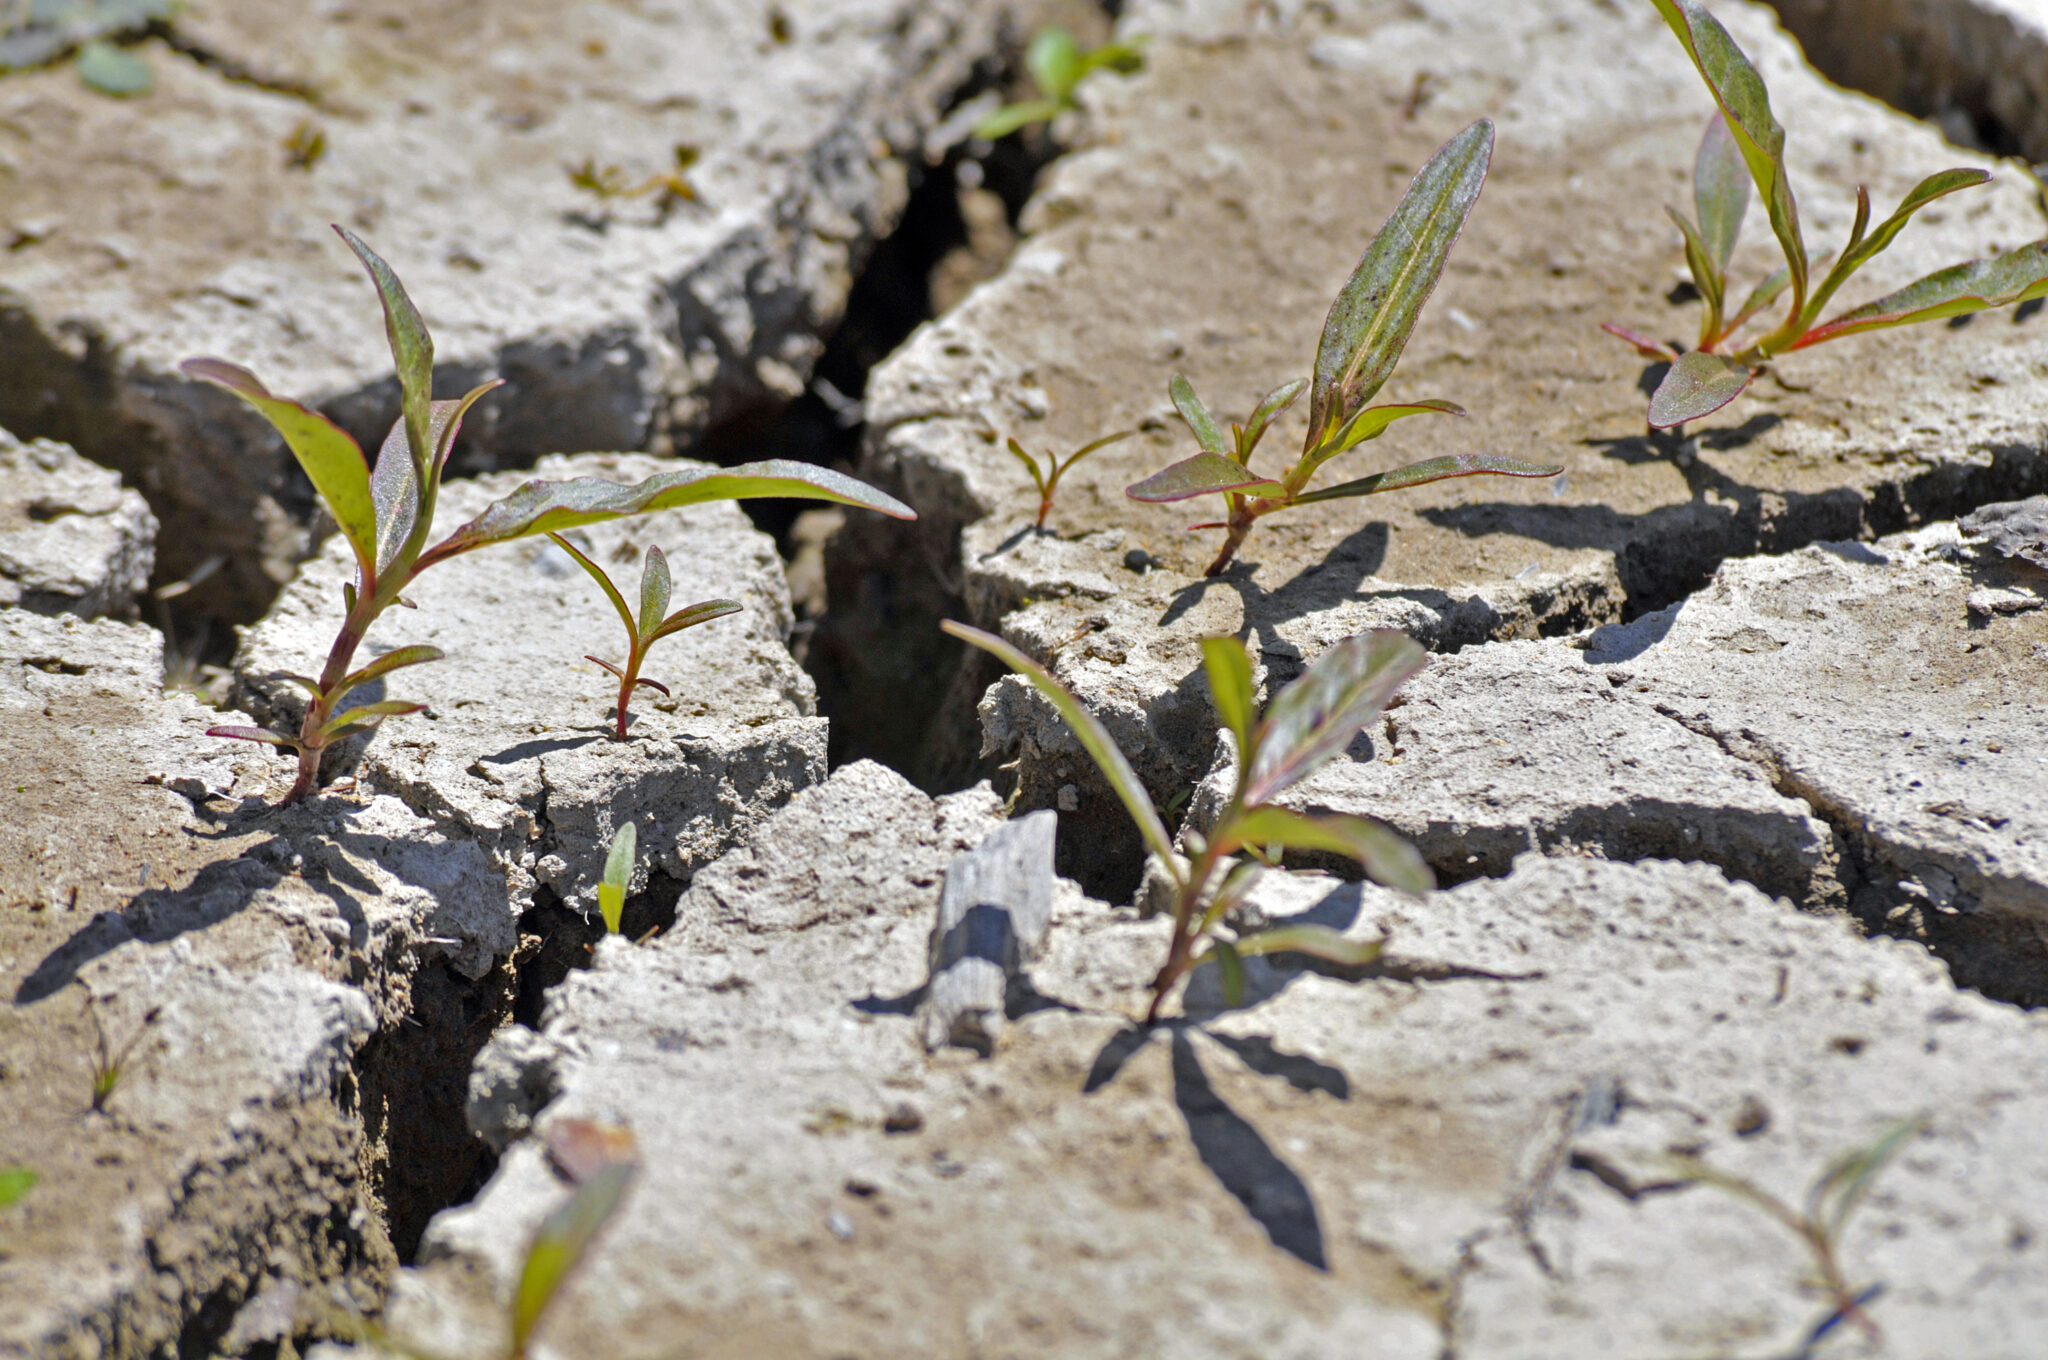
564, 1237
108, 1064
1367, 329
1047, 480
1310, 722
386, 512
1745, 144
618, 874
654, 623
1833, 1197
1057, 64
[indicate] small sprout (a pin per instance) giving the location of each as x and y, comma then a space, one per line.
1057, 63
1830, 1201
1048, 480
304, 148
386, 513
1367, 329
604, 1164
107, 1064
655, 623
1745, 144
15, 1182
1310, 722
618, 872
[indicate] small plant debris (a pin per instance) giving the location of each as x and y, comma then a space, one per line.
1744, 143
386, 512
1311, 721
655, 622
1047, 480
1057, 64
609, 181
1367, 329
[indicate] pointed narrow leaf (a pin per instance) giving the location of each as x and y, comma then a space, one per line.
2015, 276
1277, 400
394, 486
1838, 1192
1230, 964
1860, 252
1705, 276
597, 574
305, 682
1199, 476
654, 685
559, 1246
654, 589
1432, 470
412, 350
333, 462
541, 507
1371, 319
389, 662
1030, 464
1316, 717
1196, 415
1236, 884
1229, 668
1094, 444
1373, 420
1720, 191
1699, 384
1316, 941
618, 873
366, 717
448, 425
1087, 728
1760, 297
1386, 856
240, 732
1010, 117
1746, 110
1644, 345
607, 665
1054, 61
694, 615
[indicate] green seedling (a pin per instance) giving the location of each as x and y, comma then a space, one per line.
386, 512
1047, 480
1057, 63
618, 872
15, 1183
604, 1162
36, 32
1367, 329
1820, 1224
1311, 721
654, 623
1744, 144
109, 1065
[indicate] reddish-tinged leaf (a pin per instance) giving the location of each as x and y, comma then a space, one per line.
1277, 400
2012, 277
262, 734
412, 351
543, 507
654, 588
394, 487
1644, 345
1432, 470
1699, 384
694, 615
604, 581
1316, 717
653, 685
366, 717
1201, 475
1386, 856
1862, 249
608, 666
389, 662
1196, 415
1373, 420
1705, 275
1720, 191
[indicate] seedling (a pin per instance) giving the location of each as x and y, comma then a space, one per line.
1829, 1203
108, 1065
1311, 721
1743, 144
386, 513
1048, 480
15, 1183
1367, 329
1057, 63
560, 1244
618, 872
654, 624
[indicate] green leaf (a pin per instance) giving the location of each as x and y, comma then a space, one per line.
114, 70
1054, 61
1705, 276
412, 351
541, 507
1844, 1184
690, 618
2015, 276
1431, 470
1094, 738
1196, 415
1010, 117
447, 426
1760, 297
1862, 249
1720, 192
1277, 400
1373, 421
1231, 964
1383, 853
1031, 464
618, 872
1094, 444
1317, 716
332, 461
1371, 319
604, 582
1229, 667
394, 486
392, 660
242, 733
1642, 344
1699, 384
1316, 941
654, 588
1199, 476
366, 717
15, 1181
559, 1246
1746, 109
1121, 57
